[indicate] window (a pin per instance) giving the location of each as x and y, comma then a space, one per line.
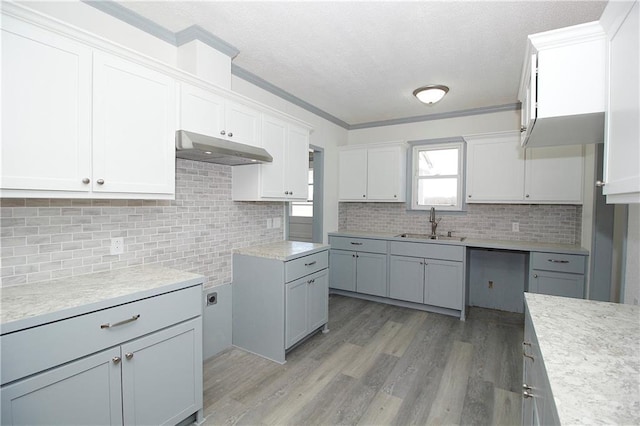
304, 208
437, 177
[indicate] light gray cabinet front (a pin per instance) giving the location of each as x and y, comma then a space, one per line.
406, 278
557, 284
443, 283
371, 274
318, 301
83, 392
296, 305
342, 274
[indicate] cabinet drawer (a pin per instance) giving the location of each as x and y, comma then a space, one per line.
359, 244
30, 351
306, 265
571, 263
427, 250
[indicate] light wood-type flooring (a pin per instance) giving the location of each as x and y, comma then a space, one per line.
378, 365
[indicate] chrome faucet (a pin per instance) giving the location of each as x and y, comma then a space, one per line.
434, 222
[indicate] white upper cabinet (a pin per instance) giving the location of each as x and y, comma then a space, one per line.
133, 128
79, 122
286, 178
621, 21
499, 170
208, 113
562, 88
375, 173
46, 110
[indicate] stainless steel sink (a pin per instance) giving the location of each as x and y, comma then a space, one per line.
430, 237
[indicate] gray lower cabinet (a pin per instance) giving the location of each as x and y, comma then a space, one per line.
557, 274
359, 265
538, 405
277, 303
429, 281
155, 378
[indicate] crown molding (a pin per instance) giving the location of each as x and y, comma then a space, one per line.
196, 32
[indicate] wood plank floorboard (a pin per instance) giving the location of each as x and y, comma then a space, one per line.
379, 365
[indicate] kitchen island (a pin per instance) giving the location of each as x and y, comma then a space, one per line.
590, 353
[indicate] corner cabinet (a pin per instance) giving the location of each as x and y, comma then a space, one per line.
105, 124
136, 364
562, 87
376, 173
499, 170
286, 178
621, 22
279, 301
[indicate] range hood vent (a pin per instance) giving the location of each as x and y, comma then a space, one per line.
197, 147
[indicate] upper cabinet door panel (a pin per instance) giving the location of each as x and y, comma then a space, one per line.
201, 111
298, 163
353, 175
555, 174
133, 127
274, 134
384, 174
46, 109
242, 124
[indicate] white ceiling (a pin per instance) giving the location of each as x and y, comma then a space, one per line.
361, 61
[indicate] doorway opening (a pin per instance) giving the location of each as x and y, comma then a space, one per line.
304, 218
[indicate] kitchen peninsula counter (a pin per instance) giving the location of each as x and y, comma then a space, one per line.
283, 250
591, 351
30, 305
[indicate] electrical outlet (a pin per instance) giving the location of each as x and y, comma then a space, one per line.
515, 227
117, 245
269, 223
490, 284
276, 222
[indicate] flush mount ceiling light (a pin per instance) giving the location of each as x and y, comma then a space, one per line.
430, 94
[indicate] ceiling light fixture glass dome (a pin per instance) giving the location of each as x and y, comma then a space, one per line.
430, 94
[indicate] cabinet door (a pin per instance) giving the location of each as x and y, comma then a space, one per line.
273, 175
371, 274
162, 375
297, 176
557, 284
406, 278
319, 301
385, 175
352, 175
83, 392
495, 169
342, 270
443, 283
555, 174
201, 111
242, 124
622, 150
46, 110
296, 311
133, 128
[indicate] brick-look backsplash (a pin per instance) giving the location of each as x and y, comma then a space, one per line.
538, 223
45, 239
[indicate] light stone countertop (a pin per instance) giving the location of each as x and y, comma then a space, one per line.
473, 242
35, 304
283, 250
591, 351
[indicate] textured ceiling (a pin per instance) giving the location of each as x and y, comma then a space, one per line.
361, 61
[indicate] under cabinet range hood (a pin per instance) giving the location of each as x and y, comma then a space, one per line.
197, 147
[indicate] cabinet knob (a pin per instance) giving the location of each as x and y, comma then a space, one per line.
526, 387
600, 184
526, 394
230, 134
527, 195
86, 180
535, 275
353, 255
286, 192
311, 281
290, 192
523, 129
129, 355
100, 181
364, 196
469, 195
222, 132
395, 196
116, 359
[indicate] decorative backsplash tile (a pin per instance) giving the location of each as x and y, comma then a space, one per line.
44, 239
537, 222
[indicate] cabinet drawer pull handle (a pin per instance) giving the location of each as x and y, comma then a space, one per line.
129, 355
310, 263
526, 394
557, 261
133, 318
355, 244
526, 387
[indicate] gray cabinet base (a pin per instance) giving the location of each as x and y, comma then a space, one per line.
419, 306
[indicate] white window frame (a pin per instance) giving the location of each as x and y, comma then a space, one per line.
415, 178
